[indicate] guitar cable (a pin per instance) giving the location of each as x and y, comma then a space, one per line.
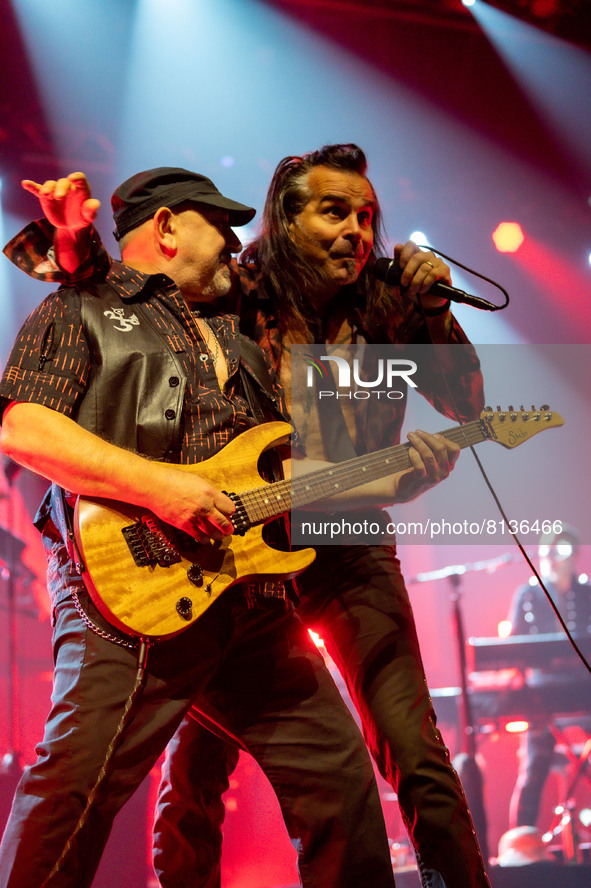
482, 470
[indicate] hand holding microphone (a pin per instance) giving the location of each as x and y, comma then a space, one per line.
425, 274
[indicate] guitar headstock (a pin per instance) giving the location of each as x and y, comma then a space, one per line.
512, 427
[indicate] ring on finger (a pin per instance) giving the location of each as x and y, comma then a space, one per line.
430, 264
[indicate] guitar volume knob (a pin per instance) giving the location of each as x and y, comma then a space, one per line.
195, 575
184, 607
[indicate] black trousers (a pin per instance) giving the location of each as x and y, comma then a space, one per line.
536, 751
257, 673
356, 599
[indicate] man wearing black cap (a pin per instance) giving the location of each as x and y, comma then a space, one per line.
108, 385
532, 614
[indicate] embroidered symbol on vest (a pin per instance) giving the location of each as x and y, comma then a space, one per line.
126, 324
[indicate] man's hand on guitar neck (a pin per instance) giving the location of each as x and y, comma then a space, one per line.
69, 206
53, 445
432, 459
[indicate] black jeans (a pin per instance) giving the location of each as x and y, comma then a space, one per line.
257, 673
356, 598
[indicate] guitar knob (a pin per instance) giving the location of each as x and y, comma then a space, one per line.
195, 575
184, 606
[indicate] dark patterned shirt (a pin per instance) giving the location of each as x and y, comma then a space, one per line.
211, 417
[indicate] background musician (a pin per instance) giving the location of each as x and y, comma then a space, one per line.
532, 614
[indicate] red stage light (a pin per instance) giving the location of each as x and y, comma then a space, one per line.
508, 237
516, 727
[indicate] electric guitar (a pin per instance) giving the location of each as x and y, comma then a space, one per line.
150, 579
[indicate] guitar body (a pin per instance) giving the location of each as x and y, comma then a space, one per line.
156, 600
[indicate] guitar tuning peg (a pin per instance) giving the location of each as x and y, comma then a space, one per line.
510, 408
544, 407
533, 407
488, 410
498, 408
522, 409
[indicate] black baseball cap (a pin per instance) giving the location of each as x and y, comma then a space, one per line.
138, 198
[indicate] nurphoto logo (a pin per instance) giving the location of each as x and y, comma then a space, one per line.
388, 372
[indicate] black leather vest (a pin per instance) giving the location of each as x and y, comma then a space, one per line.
135, 394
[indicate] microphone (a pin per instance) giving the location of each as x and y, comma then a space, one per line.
389, 272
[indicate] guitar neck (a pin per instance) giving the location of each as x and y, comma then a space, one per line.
275, 499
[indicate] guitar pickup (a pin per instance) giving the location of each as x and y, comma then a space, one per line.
149, 544
240, 520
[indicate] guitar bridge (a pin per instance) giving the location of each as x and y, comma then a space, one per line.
149, 544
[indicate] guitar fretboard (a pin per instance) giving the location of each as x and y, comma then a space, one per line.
275, 499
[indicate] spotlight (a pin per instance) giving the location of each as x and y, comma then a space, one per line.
508, 237
516, 727
418, 237
468, 2
318, 641
504, 628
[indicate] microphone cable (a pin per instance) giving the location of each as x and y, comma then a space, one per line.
481, 468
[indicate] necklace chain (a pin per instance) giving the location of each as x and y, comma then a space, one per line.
211, 338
